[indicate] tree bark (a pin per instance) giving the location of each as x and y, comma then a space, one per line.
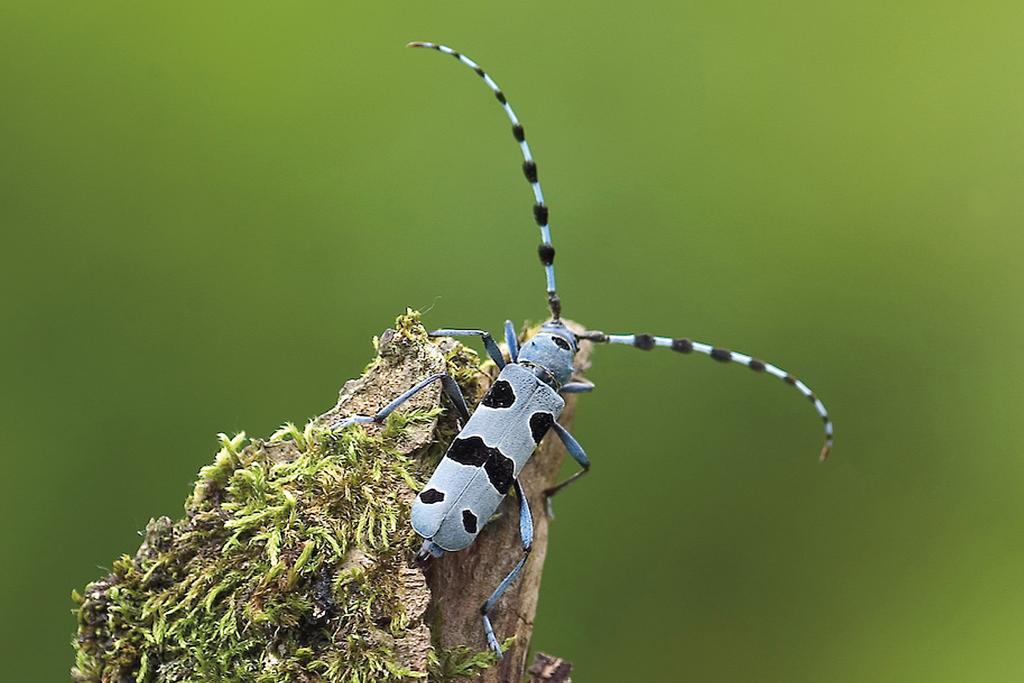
293, 561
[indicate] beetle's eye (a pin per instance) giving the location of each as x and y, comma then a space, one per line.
561, 343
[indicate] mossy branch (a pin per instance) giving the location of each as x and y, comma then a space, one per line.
293, 559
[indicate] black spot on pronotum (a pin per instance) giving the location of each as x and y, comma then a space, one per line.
644, 342
500, 471
500, 95
721, 355
546, 253
500, 395
431, 496
469, 451
540, 423
561, 343
517, 130
682, 345
530, 171
540, 214
469, 521
755, 365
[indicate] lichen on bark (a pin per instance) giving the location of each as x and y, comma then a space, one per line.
292, 560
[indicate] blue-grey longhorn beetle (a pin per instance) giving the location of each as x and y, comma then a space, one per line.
484, 461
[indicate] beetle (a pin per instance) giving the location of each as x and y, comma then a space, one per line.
484, 461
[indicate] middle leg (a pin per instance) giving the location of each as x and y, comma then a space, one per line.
578, 454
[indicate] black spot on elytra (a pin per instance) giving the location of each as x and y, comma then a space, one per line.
432, 496
546, 253
540, 423
474, 452
469, 521
682, 345
469, 451
560, 343
500, 395
644, 342
500, 471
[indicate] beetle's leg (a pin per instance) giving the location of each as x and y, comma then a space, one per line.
526, 534
646, 342
450, 386
492, 347
578, 454
580, 387
512, 340
427, 552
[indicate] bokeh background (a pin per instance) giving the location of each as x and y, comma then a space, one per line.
208, 209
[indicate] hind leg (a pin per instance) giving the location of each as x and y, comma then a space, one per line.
578, 454
526, 534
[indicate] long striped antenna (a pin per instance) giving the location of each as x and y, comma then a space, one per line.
540, 209
646, 342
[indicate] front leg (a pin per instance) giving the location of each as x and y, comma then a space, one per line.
512, 341
450, 386
578, 387
492, 347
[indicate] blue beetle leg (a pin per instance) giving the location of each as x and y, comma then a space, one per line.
526, 534
492, 347
578, 454
512, 340
427, 552
450, 386
582, 387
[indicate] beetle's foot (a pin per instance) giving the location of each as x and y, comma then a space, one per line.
549, 509
495, 646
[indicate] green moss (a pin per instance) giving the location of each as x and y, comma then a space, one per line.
459, 663
286, 565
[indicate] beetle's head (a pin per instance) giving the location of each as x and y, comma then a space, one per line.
553, 349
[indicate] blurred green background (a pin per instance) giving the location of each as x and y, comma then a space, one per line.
208, 209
